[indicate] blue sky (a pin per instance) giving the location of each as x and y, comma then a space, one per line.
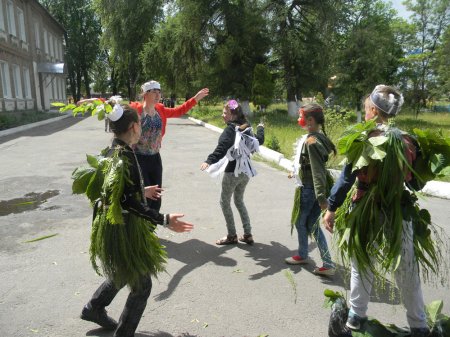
402, 12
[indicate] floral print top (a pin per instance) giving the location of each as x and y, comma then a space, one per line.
150, 141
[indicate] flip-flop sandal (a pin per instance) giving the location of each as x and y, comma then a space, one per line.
247, 238
227, 240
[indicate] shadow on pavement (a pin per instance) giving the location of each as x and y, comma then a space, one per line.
44, 130
194, 253
162, 334
100, 332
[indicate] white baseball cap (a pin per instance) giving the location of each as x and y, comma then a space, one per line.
150, 85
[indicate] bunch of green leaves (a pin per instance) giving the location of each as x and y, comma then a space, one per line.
94, 107
358, 148
434, 158
371, 229
88, 179
103, 179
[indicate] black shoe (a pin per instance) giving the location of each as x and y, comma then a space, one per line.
98, 316
338, 317
420, 332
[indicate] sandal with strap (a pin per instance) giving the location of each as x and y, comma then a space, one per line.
227, 240
247, 238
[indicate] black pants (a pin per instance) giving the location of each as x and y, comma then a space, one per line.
134, 307
151, 168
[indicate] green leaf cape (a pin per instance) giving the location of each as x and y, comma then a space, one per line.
123, 243
370, 230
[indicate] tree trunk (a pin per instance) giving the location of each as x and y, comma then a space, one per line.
245, 105
293, 107
87, 83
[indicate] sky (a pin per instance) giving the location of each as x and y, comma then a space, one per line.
397, 5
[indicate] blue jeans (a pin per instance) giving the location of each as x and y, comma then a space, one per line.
306, 225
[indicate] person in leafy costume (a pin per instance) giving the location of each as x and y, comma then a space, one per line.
122, 238
380, 227
313, 185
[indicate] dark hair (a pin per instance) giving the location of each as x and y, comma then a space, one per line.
122, 125
238, 115
315, 111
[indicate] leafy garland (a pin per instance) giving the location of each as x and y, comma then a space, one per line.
370, 230
124, 244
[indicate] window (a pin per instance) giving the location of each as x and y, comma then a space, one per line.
50, 45
6, 84
55, 43
37, 36
26, 83
10, 18
17, 82
63, 88
2, 17
45, 41
22, 35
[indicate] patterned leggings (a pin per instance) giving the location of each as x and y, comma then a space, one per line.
235, 186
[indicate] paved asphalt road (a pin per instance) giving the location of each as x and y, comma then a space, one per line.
208, 291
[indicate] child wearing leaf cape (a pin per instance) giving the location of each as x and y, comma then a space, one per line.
313, 184
377, 225
123, 238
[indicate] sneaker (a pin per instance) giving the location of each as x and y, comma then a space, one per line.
324, 271
98, 316
420, 332
296, 260
354, 322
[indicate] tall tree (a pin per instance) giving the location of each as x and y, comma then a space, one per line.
127, 26
302, 32
442, 66
81, 38
370, 54
431, 18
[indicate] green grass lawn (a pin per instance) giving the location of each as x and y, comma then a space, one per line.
282, 131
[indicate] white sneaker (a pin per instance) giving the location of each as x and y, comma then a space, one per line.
324, 271
296, 260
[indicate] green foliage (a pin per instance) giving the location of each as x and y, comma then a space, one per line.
438, 323
273, 143
376, 242
434, 159
127, 26
12, 120
83, 31
362, 63
263, 85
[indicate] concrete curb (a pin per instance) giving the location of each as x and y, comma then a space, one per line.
437, 189
31, 125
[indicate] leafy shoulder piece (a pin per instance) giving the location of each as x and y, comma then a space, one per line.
88, 179
358, 148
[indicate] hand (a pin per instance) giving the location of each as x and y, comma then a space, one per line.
323, 205
204, 166
328, 220
153, 192
201, 94
178, 225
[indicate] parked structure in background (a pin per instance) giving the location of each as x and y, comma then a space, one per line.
32, 70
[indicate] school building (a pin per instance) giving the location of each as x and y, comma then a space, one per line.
32, 69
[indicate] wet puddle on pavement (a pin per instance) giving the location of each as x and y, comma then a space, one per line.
28, 202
